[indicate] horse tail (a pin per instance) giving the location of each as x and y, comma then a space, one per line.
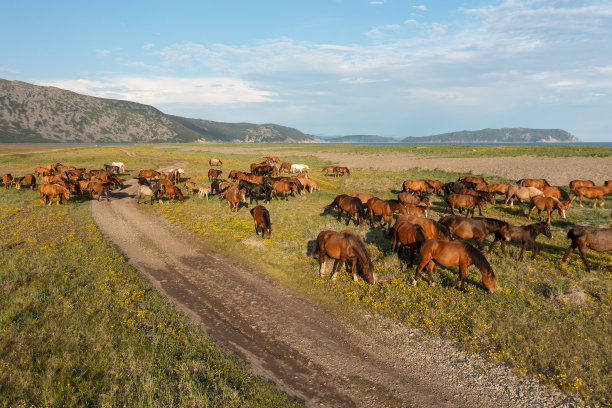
571, 234
519, 181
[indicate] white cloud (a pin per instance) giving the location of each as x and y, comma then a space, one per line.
103, 52
420, 7
164, 90
7, 71
377, 3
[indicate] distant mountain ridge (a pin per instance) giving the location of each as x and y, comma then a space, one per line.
31, 113
359, 139
504, 135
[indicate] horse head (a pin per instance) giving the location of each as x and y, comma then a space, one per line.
488, 279
505, 233
545, 229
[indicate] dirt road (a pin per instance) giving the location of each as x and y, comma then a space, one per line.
307, 351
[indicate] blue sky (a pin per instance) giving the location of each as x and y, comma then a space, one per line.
329, 67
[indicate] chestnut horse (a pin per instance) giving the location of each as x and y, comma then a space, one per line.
234, 197
418, 186
431, 228
467, 201
413, 199
537, 183
350, 205
379, 207
454, 253
473, 179
414, 210
30, 180
409, 236
525, 235
581, 183
344, 246
7, 179
498, 189
283, 187
475, 228
364, 197
149, 174
173, 191
328, 169
285, 166
548, 204
51, 191
213, 174
598, 239
596, 192
261, 218
99, 188
341, 171
556, 192
436, 185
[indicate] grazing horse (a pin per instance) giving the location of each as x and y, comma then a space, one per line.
285, 166
596, 192
522, 193
454, 187
173, 191
42, 171
344, 246
51, 191
213, 174
413, 199
149, 174
327, 170
204, 190
379, 207
436, 185
309, 184
283, 187
364, 197
581, 183
234, 197
548, 204
265, 170
556, 192
30, 180
525, 235
409, 236
475, 228
467, 201
120, 165
418, 186
350, 205
431, 228
598, 239
341, 171
190, 187
151, 191
253, 190
99, 188
498, 189
414, 210
214, 161
299, 168
454, 253
472, 179
261, 218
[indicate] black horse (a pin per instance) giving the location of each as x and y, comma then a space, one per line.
264, 170
254, 189
455, 187
525, 235
215, 185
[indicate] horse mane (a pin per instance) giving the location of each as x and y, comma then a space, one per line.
493, 221
266, 217
478, 258
444, 229
362, 251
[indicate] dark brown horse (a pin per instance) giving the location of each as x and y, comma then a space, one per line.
467, 201
409, 236
261, 218
344, 246
598, 239
525, 235
350, 205
454, 253
413, 199
548, 204
99, 189
475, 228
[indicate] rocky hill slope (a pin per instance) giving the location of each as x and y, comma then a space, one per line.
505, 135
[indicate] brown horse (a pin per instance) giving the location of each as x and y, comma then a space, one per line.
525, 235
149, 174
234, 197
309, 184
99, 188
436, 185
475, 228
363, 197
261, 218
190, 187
548, 204
498, 189
596, 192
598, 239
283, 187
537, 183
30, 181
556, 192
414, 210
413, 199
485, 195
285, 166
350, 205
42, 171
51, 191
379, 207
204, 190
327, 170
467, 201
581, 183
173, 191
473, 179
344, 246
418, 186
431, 228
341, 171
454, 253
409, 236
7, 179
522, 193
213, 174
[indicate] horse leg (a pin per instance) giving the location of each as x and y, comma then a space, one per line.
461, 277
581, 248
493, 243
371, 218
430, 268
535, 249
424, 261
520, 257
595, 202
322, 262
339, 263
348, 218
354, 270
568, 251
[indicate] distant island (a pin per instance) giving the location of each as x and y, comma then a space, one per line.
41, 114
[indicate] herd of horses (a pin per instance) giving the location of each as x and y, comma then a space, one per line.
413, 230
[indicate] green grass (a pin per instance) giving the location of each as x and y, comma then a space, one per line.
80, 327
547, 320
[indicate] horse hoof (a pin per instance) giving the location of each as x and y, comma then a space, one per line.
414, 282
432, 284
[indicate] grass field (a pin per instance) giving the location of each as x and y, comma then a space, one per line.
548, 320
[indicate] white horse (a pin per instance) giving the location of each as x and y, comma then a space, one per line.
120, 165
299, 168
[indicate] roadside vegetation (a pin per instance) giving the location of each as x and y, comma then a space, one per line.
548, 320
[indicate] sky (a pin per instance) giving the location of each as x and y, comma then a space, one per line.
329, 67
